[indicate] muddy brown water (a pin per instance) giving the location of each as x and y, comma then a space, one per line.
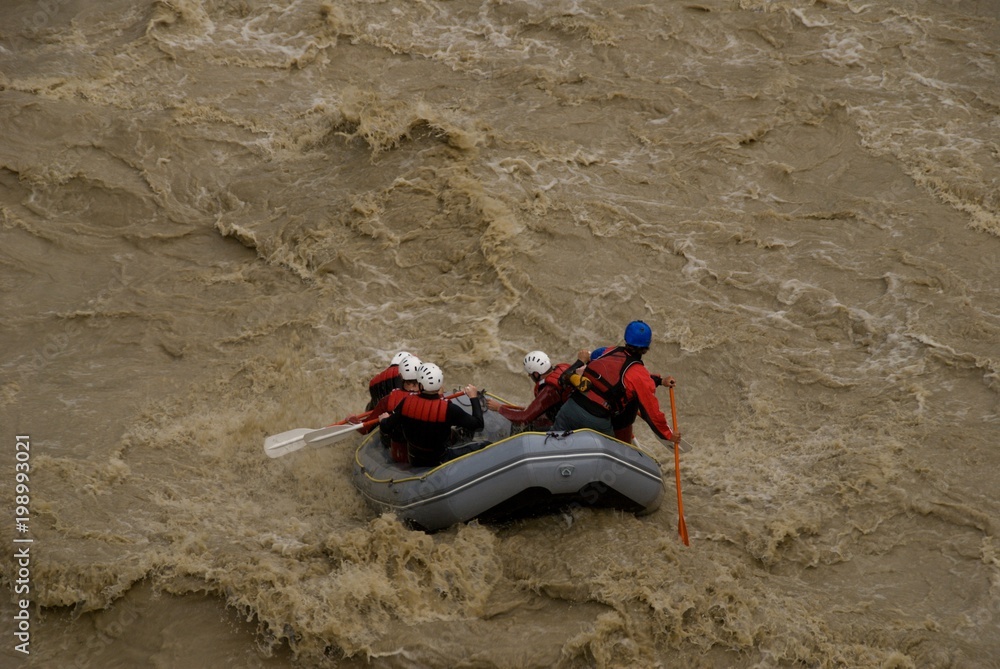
219, 219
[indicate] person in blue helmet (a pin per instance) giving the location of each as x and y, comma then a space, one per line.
622, 422
614, 388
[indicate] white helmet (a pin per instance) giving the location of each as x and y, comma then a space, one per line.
430, 377
537, 362
408, 368
399, 357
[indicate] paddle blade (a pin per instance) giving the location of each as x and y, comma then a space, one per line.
287, 442
303, 437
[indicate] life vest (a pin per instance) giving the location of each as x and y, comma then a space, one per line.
388, 403
395, 397
552, 379
396, 442
425, 428
384, 382
425, 409
606, 394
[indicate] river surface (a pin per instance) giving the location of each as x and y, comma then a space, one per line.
220, 218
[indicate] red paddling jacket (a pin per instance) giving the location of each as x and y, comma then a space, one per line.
550, 395
620, 387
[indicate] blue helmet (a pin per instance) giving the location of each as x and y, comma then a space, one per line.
638, 334
598, 352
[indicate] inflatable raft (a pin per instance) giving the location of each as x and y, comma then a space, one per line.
496, 475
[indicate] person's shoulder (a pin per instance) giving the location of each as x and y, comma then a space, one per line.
638, 373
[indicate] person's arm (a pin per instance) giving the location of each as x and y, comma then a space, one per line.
391, 422
545, 398
459, 417
640, 385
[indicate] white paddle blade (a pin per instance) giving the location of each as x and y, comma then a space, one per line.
294, 440
281, 444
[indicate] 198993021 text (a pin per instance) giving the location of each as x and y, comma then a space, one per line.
22, 543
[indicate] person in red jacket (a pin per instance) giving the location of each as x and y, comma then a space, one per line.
623, 421
385, 381
550, 393
395, 442
426, 419
615, 388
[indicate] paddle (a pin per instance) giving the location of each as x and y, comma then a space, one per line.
360, 418
278, 445
681, 525
294, 440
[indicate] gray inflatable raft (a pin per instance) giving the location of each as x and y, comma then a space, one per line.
496, 475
